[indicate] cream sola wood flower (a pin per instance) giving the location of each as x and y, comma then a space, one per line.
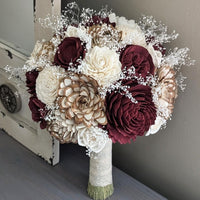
103, 65
93, 138
78, 98
43, 52
166, 93
47, 84
131, 32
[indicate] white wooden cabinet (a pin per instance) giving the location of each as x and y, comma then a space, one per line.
19, 125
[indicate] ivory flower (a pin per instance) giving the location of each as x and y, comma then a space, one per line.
156, 55
93, 138
42, 50
131, 32
47, 84
103, 65
156, 126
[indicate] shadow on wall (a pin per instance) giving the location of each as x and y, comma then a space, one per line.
169, 161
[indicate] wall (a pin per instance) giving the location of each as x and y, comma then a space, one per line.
168, 162
16, 22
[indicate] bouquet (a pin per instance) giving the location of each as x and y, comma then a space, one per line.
102, 79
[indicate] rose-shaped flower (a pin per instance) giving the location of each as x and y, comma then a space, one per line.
131, 32
93, 138
38, 111
103, 65
126, 119
69, 51
47, 84
79, 100
166, 93
105, 35
42, 50
139, 58
73, 31
168, 89
31, 77
63, 129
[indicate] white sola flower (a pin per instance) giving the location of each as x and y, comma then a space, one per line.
103, 65
43, 50
93, 138
47, 84
156, 55
131, 32
156, 126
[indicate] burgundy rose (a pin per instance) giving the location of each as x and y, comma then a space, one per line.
38, 111
31, 77
126, 119
95, 20
139, 57
36, 106
69, 50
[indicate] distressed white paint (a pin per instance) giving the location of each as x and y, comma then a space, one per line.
20, 125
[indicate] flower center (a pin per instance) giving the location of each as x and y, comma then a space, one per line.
83, 102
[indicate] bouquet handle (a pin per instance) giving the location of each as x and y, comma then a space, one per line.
100, 184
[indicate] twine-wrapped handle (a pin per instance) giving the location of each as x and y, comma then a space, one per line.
100, 184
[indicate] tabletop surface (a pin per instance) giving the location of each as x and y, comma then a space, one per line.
25, 176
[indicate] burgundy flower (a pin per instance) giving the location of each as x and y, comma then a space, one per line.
36, 106
126, 119
38, 111
69, 50
31, 77
98, 20
139, 57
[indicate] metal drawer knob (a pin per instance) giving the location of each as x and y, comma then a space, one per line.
10, 98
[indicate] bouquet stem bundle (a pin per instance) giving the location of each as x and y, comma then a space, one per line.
100, 184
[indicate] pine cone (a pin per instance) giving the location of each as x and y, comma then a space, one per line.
166, 77
80, 101
63, 129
